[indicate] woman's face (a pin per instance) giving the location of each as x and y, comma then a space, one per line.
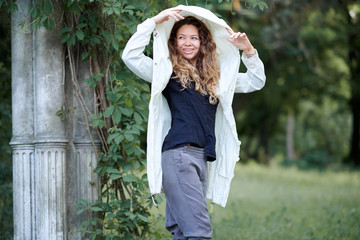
188, 42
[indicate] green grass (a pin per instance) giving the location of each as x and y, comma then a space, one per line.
285, 203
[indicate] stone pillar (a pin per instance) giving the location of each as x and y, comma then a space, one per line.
80, 172
22, 121
50, 137
53, 160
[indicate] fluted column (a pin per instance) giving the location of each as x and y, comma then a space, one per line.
23, 123
23, 184
80, 172
50, 136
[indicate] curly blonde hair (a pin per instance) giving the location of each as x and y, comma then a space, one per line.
206, 73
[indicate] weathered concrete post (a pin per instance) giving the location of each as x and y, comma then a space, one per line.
80, 171
50, 137
23, 123
53, 160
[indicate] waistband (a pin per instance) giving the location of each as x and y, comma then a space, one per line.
195, 151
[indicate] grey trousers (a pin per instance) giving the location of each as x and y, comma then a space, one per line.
184, 184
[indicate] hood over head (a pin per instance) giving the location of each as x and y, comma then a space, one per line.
217, 26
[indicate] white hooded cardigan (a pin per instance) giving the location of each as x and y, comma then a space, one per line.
158, 71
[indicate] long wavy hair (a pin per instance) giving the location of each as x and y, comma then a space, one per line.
206, 73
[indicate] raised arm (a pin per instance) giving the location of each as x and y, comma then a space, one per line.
254, 79
133, 54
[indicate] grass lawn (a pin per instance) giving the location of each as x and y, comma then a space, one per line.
272, 202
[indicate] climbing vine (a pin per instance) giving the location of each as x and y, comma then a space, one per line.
95, 32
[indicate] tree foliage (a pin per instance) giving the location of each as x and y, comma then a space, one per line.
6, 217
305, 47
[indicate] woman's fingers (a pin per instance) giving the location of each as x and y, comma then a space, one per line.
238, 35
173, 13
166, 14
240, 40
235, 35
230, 31
176, 15
243, 35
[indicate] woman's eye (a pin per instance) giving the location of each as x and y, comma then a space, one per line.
194, 38
181, 37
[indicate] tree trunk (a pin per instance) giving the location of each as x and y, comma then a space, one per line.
354, 64
290, 127
354, 156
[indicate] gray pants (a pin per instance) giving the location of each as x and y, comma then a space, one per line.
184, 184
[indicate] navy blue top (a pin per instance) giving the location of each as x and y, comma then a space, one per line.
193, 118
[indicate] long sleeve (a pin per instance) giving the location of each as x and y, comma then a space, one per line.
133, 54
254, 79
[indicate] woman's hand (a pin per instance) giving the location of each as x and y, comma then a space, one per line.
164, 15
241, 41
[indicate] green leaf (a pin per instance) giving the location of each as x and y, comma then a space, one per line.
133, 131
106, 34
74, 8
96, 209
111, 96
129, 178
98, 123
71, 40
118, 35
138, 118
119, 139
127, 168
90, 82
82, 25
110, 215
143, 218
117, 11
80, 211
126, 111
138, 127
117, 115
48, 6
109, 110
115, 176
83, 201
65, 30
65, 38
129, 137
112, 136
263, 5
85, 56
128, 101
108, 10
130, 7
80, 34
112, 170
136, 165
95, 40
115, 44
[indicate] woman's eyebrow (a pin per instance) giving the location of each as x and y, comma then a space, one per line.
190, 35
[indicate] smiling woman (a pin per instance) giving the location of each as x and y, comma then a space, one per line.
191, 123
193, 56
188, 42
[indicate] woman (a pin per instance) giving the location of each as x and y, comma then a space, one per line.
194, 74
